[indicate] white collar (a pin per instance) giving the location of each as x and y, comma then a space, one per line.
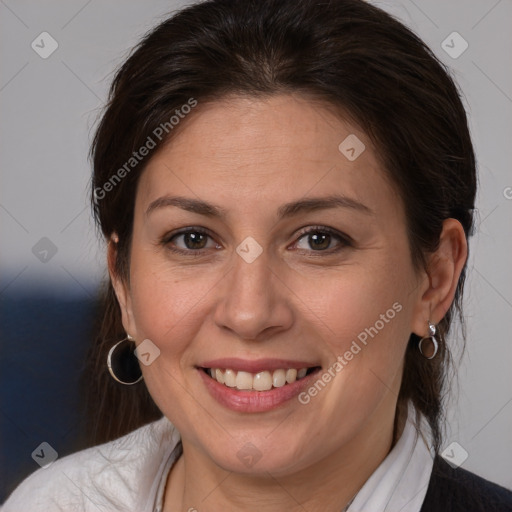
401, 480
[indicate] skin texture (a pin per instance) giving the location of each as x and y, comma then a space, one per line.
296, 300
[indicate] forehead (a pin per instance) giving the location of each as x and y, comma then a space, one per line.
270, 150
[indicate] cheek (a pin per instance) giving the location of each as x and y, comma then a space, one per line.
365, 329
166, 306
166, 299
363, 316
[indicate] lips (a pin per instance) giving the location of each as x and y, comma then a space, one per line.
255, 386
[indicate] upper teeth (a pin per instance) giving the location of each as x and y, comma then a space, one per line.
262, 381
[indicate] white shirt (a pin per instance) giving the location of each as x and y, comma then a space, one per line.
130, 473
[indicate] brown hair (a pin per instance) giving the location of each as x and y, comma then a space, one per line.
346, 52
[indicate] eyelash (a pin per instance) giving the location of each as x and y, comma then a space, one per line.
345, 240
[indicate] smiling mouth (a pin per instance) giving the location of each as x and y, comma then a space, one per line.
261, 381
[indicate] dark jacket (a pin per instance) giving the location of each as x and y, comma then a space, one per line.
458, 490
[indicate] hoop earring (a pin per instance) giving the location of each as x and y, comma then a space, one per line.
124, 365
432, 337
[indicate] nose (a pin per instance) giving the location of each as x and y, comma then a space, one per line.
255, 303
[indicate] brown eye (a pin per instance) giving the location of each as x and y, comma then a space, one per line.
189, 241
319, 241
322, 240
194, 240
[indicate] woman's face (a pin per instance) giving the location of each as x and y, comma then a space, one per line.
296, 257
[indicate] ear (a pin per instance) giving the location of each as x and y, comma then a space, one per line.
121, 288
443, 271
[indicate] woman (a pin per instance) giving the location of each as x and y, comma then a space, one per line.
287, 189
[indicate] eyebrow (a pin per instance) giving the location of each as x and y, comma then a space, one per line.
285, 211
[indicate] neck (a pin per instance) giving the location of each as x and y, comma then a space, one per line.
197, 483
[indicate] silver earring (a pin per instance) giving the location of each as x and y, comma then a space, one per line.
122, 362
432, 337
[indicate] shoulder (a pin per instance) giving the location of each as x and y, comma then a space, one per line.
118, 475
458, 490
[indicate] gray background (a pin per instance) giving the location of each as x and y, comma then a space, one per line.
49, 107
